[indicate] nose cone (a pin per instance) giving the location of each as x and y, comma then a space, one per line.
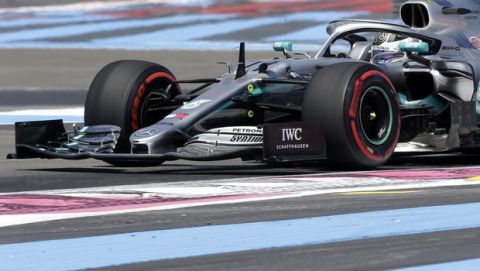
157, 139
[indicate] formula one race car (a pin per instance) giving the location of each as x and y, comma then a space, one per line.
373, 89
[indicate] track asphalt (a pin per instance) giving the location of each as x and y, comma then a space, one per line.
24, 177
413, 212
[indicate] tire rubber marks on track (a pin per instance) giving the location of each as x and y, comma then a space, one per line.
31, 204
22, 208
420, 174
60, 212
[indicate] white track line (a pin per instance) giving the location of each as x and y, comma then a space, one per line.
247, 189
67, 114
76, 111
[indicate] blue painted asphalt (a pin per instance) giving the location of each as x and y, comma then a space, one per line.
155, 46
205, 30
101, 251
179, 37
58, 19
95, 27
467, 265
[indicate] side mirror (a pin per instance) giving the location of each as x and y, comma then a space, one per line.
283, 46
414, 47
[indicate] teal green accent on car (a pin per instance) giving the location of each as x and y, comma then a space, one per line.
257, 91
414, 47
282, 46
402, 98
433, 102
254, 90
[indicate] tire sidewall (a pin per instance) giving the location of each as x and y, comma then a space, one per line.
112, 95
362, 81
327, 101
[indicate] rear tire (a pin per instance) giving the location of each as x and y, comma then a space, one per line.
356, 106
118, 94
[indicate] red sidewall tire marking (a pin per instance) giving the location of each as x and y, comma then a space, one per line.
353, 111
141, 92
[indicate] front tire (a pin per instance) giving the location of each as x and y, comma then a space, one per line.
118, 94
356, 106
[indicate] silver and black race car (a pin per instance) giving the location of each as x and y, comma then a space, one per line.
374, 89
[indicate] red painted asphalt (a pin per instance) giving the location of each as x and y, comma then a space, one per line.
263, 8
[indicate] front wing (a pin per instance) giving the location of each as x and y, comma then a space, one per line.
296, 141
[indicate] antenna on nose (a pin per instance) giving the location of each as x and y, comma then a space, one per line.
241, 71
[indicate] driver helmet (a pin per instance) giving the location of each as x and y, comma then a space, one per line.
384, 37
386, 47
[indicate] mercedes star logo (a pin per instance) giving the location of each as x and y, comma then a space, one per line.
147, 132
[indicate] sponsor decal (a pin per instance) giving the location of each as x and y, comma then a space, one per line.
195, 104
292, 146
293, 139
246, 139
247, 131
382, 48
238, 130
228, 139
475, 42
451, 48
147, 132
179, 116
292, 134
165, 123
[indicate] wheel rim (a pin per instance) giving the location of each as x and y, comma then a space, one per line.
375, 115
157, 98
151, 99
